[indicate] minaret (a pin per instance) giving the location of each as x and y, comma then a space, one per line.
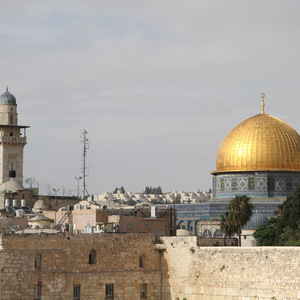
12, 140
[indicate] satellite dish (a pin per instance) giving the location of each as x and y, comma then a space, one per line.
30, 181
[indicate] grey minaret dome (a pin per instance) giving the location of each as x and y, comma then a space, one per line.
8, 98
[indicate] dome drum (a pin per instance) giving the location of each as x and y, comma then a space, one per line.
255, 184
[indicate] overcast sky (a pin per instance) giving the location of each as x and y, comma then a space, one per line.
157, 84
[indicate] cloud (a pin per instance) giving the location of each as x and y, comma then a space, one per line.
158, 85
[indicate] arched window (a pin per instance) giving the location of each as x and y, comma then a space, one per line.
181, 225
92, 257
38, 261
207, 233
218, 234
142, 261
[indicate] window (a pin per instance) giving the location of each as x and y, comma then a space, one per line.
38, 261
142, 263
207, 233
129, 225
146, 225
37, 292
92, 257
76, 292
109, 291
143, 290
218, 234
11, 119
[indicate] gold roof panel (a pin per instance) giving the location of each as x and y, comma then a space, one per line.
260, 143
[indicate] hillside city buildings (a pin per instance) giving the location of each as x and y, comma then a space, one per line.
168, 198
62, 248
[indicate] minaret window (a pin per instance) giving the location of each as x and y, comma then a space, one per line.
12, 173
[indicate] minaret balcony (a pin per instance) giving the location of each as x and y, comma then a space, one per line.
13, 139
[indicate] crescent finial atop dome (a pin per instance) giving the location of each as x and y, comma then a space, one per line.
263, 103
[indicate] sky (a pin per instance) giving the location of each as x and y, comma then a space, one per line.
156, 84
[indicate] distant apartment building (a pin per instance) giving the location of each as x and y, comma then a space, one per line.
86, 217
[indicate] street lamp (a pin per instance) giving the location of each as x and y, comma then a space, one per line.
55, 192
56, 202
78, 178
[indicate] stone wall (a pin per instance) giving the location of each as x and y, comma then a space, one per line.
65, 263
210, 242
221, 273
175, 269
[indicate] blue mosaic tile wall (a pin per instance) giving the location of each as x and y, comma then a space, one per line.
190, 214
255, 184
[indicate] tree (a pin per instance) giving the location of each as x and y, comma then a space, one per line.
266, 234
240, 212
153, 190
115, 191
159, 191
285, 229
122, 190
226, 226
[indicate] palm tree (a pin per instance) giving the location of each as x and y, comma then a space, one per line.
240, 211
226, 226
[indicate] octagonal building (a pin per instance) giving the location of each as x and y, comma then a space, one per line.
259, 158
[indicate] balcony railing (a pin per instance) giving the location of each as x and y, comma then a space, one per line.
12, 139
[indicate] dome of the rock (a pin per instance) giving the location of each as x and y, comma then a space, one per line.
259, 158
260, 143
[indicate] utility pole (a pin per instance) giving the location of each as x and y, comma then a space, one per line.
85, 143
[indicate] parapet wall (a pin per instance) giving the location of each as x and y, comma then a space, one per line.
196, 273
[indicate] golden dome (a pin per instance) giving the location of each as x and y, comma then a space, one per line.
260, 143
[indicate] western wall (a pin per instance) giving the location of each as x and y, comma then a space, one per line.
174, 268
197, 273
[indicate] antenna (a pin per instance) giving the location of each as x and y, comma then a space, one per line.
85, 143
